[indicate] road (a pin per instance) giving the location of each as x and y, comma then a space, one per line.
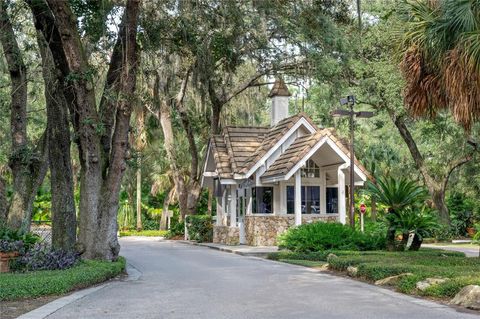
468, 250
183, 281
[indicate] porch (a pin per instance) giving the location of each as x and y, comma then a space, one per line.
256, 211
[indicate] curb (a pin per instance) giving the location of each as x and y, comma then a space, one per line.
52, 307
227, 250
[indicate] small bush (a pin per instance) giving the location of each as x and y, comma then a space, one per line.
320, 236
14, 240
176, 229
200, 228
44, 258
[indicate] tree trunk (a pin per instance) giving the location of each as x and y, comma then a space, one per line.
438, 198
28, 166
139, 194
101, 173
166, 204
434, 188
373, 215
64, 224
3, 201
391, 239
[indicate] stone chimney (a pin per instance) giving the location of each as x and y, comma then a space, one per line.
279, 95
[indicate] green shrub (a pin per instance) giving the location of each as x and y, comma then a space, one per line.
329, 236
200, 227
315, 256
176, 229
33, 284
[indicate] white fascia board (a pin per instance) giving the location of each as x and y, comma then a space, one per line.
314, 149
294, 128
210, 174
206, 162
346, 159
305, 158
228, 181
273, 179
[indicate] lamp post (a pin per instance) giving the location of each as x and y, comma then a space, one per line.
350, 102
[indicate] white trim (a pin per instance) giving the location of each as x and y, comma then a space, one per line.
228, 181
346, 159
341, 197
315, 148
301, 121
206, 162
298, 198
302, 162
210, 174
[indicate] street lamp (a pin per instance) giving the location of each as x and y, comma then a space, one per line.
350, 102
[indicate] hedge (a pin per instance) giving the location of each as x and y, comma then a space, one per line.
33, 284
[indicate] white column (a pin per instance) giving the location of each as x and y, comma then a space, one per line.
323, 191
298, 198
342, 211
219, 211
249, 201
283, 198
224, 207
233, 206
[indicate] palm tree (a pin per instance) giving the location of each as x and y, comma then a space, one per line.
397, 195
441, 58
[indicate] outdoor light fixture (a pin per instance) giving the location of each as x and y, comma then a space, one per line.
350, 101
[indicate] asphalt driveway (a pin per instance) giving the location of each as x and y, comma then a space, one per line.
183, 281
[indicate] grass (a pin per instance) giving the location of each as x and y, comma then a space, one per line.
15, 286
375, 265
144, 233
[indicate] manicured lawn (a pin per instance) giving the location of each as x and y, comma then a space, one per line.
144, 233
427, 263
33, 284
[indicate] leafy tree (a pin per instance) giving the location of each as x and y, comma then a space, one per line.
102, 133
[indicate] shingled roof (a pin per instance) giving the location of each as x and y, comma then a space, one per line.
300, 148
237, 149
234, 147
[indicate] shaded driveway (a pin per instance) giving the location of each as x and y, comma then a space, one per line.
183, 281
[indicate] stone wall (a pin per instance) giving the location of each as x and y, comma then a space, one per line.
226, 235
264, 230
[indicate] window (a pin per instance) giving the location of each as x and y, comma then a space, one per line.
310, 199
310, 170
262, 200
332, 200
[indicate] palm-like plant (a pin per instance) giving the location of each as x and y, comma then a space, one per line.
441, 58
397, 195
411, 221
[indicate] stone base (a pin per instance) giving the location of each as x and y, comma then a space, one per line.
226, 235
264, 230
